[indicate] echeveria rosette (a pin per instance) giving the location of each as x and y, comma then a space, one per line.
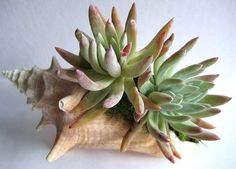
183, 99
106, 67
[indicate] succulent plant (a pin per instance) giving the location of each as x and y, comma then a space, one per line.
107, 66
183, 99
110, 75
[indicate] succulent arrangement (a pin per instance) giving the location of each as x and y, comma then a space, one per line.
117, 97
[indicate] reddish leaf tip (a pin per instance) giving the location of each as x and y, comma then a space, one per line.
91, 7
78, 72
76, 30
126, 50
217, 137
171, 158
57, 49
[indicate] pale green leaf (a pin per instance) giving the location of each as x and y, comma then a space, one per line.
215, 100
160, 98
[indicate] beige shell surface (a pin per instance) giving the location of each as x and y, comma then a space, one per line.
105, 132
55, 97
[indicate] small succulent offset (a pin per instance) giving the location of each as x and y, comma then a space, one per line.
110, 75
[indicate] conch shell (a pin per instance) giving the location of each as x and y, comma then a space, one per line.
55, 96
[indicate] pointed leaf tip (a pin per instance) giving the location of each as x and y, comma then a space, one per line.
189, 45
203, 124
215, 100
126, 50
132, 15
71, 58
167, 45
88, 83
117, 22
205, 135
208, 62
170, 22
131, 30
96, 20
102, 17
115, 94
155, 46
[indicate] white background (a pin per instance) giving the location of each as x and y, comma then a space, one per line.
29, 30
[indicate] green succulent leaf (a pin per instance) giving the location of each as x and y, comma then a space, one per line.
132, 15
110, 31
203, 124
186, 127
188, 89
137, 68
205, 135
171, 84
178, 99
206, 86
116, 48
172, 61
131, 31
194, 82
115, 94
143, 78
123, 40
187, 72
204, 64
134, 96
91, 99
161, 58
215, 100
199, 97
147, 88
207, 78
160, 98
111, 63
208, 62
173, 95
101, 40
174, 150
101, 56
191, 107
152, 124
167, 44
155, 46
205, 113
117, 22
84, 47
150, 105
171, 117
75, 60
93, 82
191, 97
79, 33
93, 59
157, 63
170, 107
96, 22
166, 150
